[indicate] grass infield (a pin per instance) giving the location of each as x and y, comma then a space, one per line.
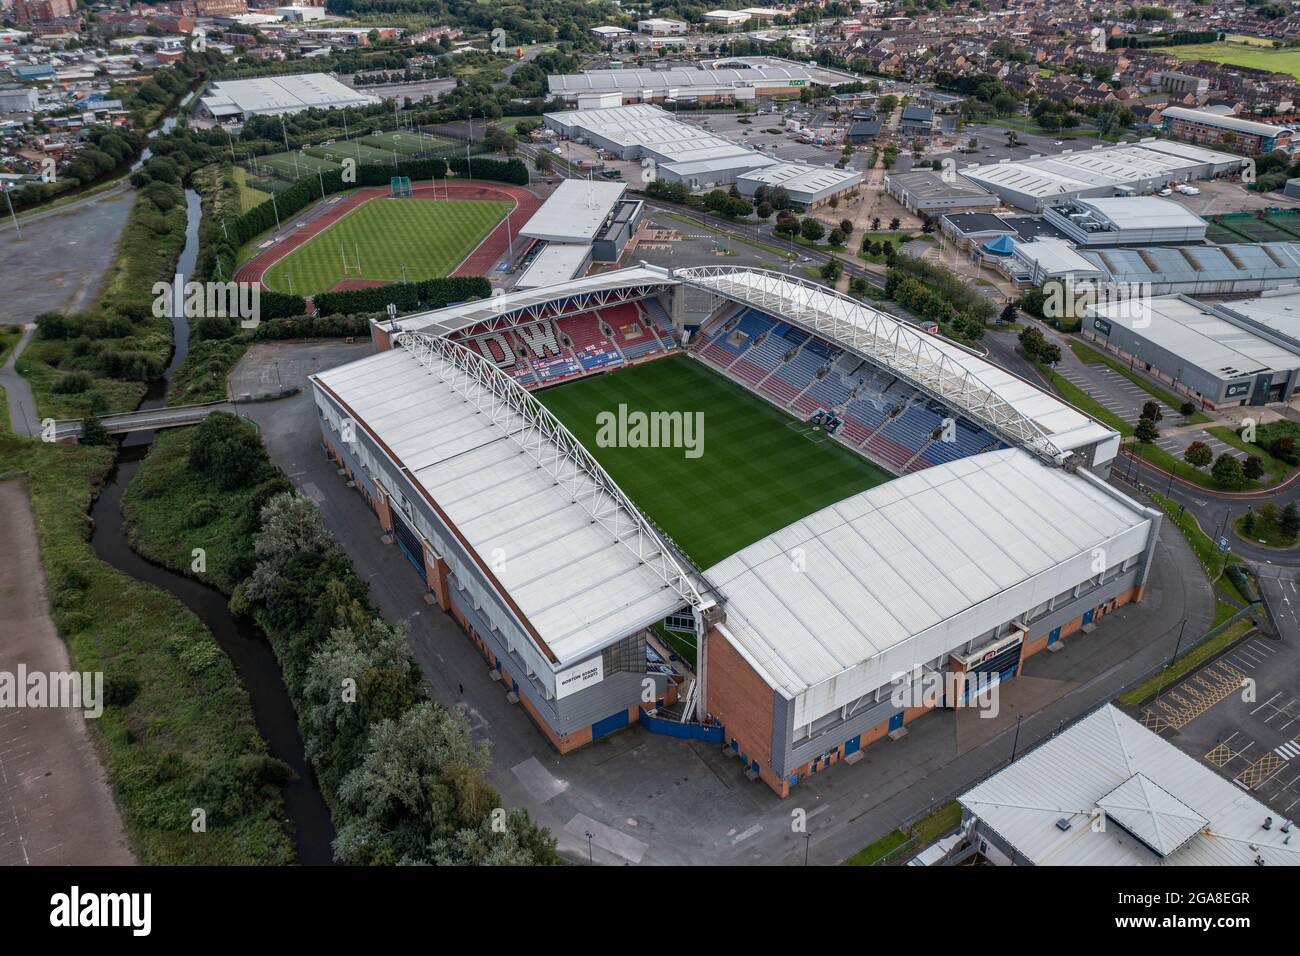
432, 237
760, 469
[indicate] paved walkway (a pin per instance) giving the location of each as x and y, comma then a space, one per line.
18, 391
56, 804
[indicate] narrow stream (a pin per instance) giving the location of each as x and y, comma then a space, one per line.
241, 639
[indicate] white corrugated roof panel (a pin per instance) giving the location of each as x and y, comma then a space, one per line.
575, 211
894, 564
1200, 819
578, 587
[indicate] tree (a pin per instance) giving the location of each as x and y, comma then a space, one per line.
1009, 313
1289, 522
1031, 342
1146, 431
846, 227
836, 238
1187, 408
1198, 454
542, 161
831, 271
895, 223
1253, 468
1152, 411
1228, 472
875, 224
93, 432
811, 229
228, 452
1049, 353
764, 210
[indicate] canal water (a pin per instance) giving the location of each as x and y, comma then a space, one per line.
308, 815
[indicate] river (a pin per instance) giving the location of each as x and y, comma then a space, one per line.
311, 828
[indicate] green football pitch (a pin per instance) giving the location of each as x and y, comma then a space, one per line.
430, 237
760, 469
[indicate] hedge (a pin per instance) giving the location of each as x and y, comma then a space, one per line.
407, 296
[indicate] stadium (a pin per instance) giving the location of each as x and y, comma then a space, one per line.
732, 504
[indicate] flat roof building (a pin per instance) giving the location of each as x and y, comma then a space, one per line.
1039, 260
1200, 354
231, 101
1158, 806
1126, 221
656, 86
923, 191
673, 150
807, 186
1127, 170
1233, 132
575, 211
1231, 269
658, 26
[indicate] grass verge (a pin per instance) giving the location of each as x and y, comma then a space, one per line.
919, 835
179, 732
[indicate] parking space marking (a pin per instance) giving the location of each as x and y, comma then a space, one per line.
1288, 751
1193, 697
1258, 772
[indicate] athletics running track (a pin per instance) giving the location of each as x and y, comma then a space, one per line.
477, 263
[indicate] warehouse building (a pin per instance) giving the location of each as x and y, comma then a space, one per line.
668, 148
657, 86
1129, 170
1108, 792
1231, 269
228, 102
1232, 132
1272, 315
924, 192
1036, 262
660, 27
1199, 354
807, 186
1126, 221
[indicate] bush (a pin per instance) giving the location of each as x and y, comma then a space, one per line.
73, 383
227, 451
93, 432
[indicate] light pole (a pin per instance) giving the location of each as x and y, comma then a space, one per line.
1015, 743
590, 859
1177, 644
10, 201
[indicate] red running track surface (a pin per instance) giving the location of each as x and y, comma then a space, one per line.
477, 263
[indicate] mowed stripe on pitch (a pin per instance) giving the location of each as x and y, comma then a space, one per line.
756, 474
431, 237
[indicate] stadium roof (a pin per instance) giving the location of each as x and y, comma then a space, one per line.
665, 81
558, 262
1161, 806
1192, 264
1234, 123
575, 211
980, 389
1185, 328
515, 307
285, 94
890, 569
578, 585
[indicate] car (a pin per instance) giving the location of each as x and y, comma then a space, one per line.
1058, 143
1165, 192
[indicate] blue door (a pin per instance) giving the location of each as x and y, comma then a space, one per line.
852, 744
1053, 637
610, 724
1087, 618
896, 721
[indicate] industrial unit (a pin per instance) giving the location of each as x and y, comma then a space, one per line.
1183, 343
1230, 269
657, 86
668, 148
229, 101
932, 192
1107, 791
807, 186
1128, 170
1126, 221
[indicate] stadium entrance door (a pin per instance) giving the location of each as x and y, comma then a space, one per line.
410, 544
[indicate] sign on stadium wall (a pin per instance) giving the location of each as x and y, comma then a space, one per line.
576, 678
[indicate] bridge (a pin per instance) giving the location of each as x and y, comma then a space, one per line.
146, 419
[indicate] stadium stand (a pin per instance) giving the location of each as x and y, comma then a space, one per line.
883, 418
589, 344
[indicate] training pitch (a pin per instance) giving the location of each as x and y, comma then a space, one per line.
373, 242
759, 468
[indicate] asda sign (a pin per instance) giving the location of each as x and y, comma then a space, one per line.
798, 82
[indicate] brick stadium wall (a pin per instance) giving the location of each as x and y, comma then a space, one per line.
742, 700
